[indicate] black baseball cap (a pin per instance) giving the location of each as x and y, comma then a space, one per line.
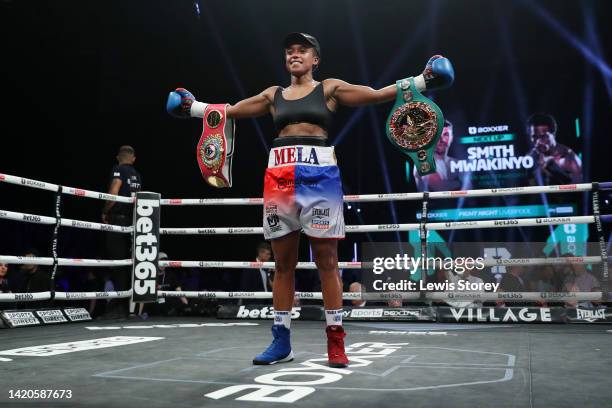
304, 39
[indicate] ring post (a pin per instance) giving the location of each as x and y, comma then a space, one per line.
54, 241
601, 240
145, 250
423, 239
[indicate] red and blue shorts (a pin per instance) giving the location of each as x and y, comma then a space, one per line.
303, 191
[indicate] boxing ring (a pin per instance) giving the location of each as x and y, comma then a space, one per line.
207, 362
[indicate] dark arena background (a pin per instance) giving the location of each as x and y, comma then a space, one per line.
524, 161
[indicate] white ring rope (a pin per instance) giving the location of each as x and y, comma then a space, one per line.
41, 185
488, 192
438, 226
99, 196
24, 297
92, 295
414, 296
32, 297
358, 265
64, 222
381, 296
211, 201
470, 296
249, 265
26, 260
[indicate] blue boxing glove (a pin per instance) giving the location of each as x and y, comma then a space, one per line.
180, 103
438, 74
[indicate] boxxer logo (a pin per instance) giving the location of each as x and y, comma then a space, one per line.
146, 246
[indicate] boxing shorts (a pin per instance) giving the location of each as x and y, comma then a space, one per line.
303, 191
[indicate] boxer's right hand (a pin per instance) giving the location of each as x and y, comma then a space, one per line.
179, 103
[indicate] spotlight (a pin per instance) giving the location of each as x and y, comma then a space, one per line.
349, 206
359, 210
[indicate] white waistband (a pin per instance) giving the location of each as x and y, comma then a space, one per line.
301, 155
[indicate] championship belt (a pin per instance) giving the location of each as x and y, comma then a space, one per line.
415, 125
216, 146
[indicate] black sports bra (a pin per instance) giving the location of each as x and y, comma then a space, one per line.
312, 108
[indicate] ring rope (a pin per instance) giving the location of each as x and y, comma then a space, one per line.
36, 296
21, 260
26, 260
382, 296
487, 192
64, 222
504, 296
600, 236
423, 236
55, 239
562, 188
41, 185
438, 226
415, 296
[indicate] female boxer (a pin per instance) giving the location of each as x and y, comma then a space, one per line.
302, 187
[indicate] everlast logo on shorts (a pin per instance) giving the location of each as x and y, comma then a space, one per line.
295, 154
320, 212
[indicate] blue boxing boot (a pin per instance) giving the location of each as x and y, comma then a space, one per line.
438, 74
280, 349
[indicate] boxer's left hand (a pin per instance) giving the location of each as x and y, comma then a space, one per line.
438, 73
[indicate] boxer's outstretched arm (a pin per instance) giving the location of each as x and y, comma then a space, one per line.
359, 95
252, 107
438, 74
182, 104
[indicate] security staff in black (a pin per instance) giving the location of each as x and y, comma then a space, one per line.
124, 181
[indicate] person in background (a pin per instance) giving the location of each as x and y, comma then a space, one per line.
4, 286
558, 163
170, 306
443, 179
356, 287
258, 280
581, 280
125, 181
34, 278
542, 281
94, 283
467, 275
513, 281
4, 283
